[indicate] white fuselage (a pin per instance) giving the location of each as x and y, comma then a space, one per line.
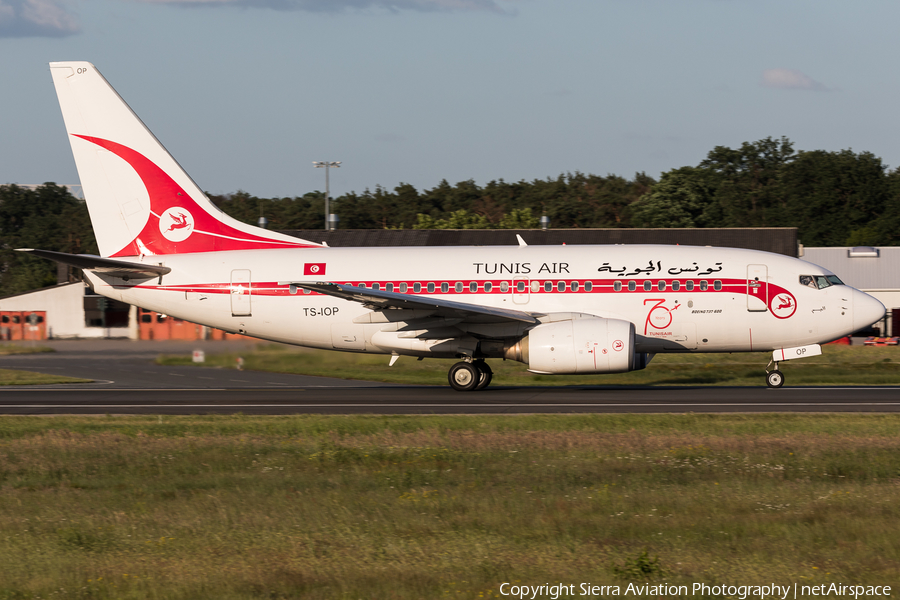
684, 299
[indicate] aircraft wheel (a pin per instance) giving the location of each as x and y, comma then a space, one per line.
464, 377
775, 379
486, 375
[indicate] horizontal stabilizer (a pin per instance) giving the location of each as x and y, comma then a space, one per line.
98, 264
379, 299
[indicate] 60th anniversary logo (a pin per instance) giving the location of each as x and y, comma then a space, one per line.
741, 592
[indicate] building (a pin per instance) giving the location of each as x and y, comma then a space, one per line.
875, 271
66, 310
72, 310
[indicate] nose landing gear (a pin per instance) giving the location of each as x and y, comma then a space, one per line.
470, 376
774, 378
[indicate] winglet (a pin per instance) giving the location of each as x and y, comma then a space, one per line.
521, 241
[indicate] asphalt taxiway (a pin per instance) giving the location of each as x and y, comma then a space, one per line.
126, 381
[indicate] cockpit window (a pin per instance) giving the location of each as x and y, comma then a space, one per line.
820, 281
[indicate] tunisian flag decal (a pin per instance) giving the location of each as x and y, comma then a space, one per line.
314, 268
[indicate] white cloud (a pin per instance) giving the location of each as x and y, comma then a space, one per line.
790, 79
343, 5
36, 18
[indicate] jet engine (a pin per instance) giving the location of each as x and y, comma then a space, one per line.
586, 345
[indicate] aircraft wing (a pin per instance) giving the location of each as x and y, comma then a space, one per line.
380, 300
106, 266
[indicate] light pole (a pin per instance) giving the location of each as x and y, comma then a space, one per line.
327, 165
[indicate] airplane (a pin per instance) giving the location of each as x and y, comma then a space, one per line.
585, 309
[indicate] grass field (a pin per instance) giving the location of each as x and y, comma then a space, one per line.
15, 377
24, 348
838, 365
441, 507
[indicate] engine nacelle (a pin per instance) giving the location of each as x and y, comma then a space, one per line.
590, 345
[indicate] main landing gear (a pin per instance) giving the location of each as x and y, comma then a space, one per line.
470, 376
774, 378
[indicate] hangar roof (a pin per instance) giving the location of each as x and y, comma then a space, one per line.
864, 268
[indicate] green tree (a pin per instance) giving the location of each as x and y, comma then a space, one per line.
835, 198
459, 219
886, 231
746, 181
48, 218
682, 198
519, 219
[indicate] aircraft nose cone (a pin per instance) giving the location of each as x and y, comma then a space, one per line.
866, 310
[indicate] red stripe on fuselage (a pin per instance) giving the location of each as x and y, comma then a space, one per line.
599, 286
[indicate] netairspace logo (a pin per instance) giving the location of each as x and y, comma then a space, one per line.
741, 592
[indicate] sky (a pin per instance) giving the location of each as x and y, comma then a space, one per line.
246, 94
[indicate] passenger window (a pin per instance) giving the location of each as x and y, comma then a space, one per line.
403, 287
676, 285
717, 285
573, 287
376, 286
520, 287
445, 287
632, 286
661, 286
473, 287
548, 286
488, 286
417, 287
430, 287
5, 319
535, 286
589, 285
648, 286
389, 287
689, 286
617, 286
561, 286
459, 287
504, 286
704, 285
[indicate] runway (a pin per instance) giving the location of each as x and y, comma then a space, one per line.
126, 381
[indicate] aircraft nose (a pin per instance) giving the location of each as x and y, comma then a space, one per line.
866, 310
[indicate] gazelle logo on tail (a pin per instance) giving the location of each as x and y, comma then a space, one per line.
176, 224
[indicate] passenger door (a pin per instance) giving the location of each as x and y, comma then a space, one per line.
757, 288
